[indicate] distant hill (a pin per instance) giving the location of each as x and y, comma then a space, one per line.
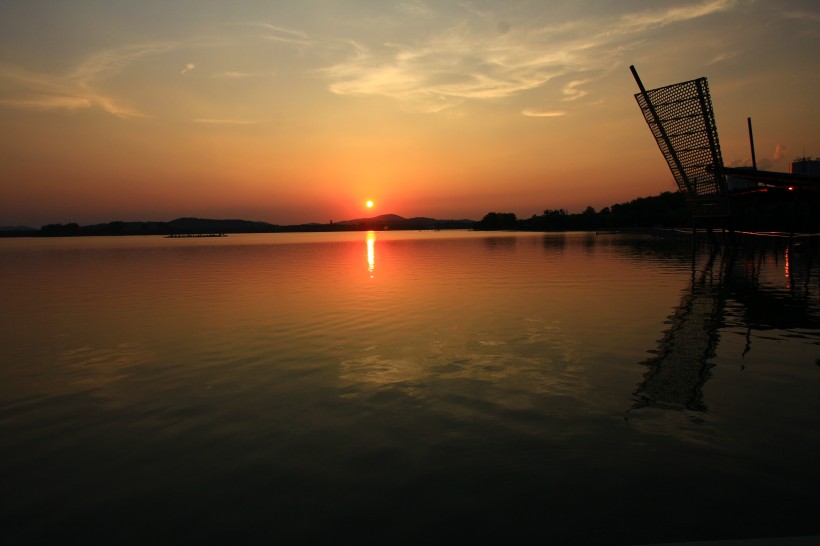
209, 226
385, 218
665, 209
22, 231
393, 221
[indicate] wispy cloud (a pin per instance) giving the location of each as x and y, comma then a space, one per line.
227, 121
543, 113
77, 89
416, 7
636, 22
475, 60
721, 57
110, 62
572, 90
474, 55
232, 75
84, 85
282, 34
454, 67
48, 103
806, 16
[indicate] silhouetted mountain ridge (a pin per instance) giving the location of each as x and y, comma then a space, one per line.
190, 225
387, 218
17, 228
666, 209
394, 221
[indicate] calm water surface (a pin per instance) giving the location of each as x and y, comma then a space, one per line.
406, 387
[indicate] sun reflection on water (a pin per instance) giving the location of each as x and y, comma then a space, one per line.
371, 252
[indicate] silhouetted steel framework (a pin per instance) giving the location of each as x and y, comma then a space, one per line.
682, 121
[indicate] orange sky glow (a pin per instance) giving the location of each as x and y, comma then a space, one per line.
293, 112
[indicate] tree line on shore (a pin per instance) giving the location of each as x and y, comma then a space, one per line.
771, 209
668, 209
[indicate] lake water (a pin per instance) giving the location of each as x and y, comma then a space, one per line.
407, 387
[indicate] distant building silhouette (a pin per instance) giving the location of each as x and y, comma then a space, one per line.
805, 165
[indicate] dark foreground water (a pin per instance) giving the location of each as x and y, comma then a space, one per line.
406, 388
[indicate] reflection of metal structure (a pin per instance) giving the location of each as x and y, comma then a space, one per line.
682, 121
676, 375
680, 366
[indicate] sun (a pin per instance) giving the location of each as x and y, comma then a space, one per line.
369, 204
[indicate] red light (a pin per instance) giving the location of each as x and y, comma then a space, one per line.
791, 188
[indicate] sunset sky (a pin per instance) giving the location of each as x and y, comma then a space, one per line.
301, 111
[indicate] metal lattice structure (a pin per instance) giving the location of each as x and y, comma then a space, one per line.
682, 121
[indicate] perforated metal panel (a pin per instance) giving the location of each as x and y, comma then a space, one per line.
682, 121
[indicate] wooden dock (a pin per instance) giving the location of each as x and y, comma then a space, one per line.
193, 235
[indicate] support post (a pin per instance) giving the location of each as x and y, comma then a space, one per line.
752, 143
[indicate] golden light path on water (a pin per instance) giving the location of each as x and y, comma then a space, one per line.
371, 251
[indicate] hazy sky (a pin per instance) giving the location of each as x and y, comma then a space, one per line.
300, 111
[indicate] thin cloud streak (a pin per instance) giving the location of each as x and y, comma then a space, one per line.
227, 121
285, 35
79, 88
462, 64
542, 114
48, 103
453, 68
469, 60
659, 18
802, 15
572, 92
721, 57
232, 75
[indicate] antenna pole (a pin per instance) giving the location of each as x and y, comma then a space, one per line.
637, 79
752, 144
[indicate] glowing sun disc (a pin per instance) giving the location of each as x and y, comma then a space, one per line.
369, 204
